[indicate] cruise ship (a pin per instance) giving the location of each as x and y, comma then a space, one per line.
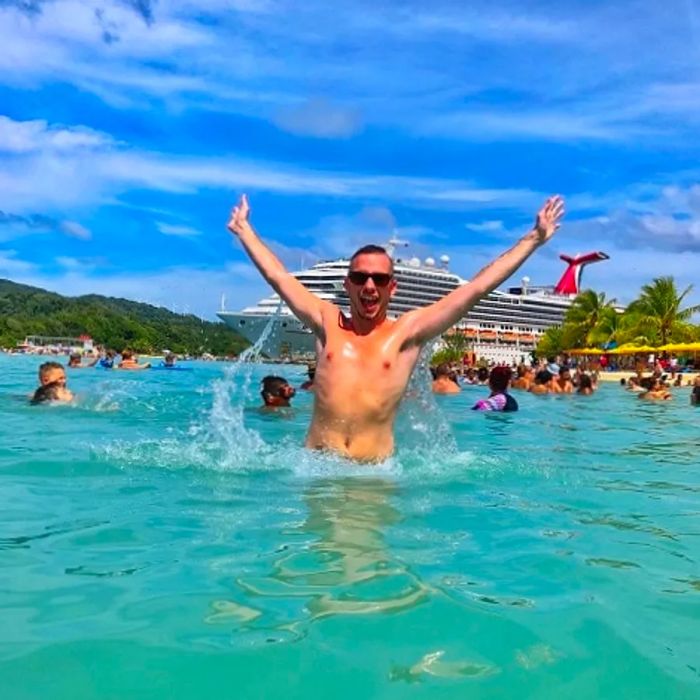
503, 327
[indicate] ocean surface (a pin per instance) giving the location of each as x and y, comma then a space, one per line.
163, 538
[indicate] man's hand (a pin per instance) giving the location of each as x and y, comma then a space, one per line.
549, 218
238, 223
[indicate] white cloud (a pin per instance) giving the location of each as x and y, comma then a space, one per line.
493, 226
319, 118
11, 265
69, 178
177, 230
37, 135
75, 230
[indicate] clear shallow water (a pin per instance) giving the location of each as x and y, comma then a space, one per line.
164, 539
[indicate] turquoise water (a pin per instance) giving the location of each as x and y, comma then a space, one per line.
164, 539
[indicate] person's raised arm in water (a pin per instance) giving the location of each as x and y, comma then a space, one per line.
306, 306
432, 321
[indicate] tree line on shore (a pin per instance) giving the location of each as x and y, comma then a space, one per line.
656, 317
112, 322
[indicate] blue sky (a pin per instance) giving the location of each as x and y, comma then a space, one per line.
128, 128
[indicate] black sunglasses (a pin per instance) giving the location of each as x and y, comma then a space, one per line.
380, 279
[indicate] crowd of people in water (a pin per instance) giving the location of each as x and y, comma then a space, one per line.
546, 376
553, 375
52, 374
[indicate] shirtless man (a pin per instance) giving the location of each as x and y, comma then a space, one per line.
364, 362
443, 382
563, 384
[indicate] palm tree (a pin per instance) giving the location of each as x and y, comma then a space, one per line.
591, 319
658, 313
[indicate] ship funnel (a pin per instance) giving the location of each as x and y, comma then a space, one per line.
570, 282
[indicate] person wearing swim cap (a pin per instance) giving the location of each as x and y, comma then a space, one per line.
499, 399
365, 360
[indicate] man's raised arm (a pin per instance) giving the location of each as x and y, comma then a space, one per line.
307, 307
432, 321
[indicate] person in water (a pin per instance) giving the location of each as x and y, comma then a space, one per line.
52, 392
542, 383
308, 385
52, 381
585, 385
524, 378
695, 393
170, 360
444, 381
130, 361
107, 362
499, 399
276, 392
563, 384
364, 361
656, 392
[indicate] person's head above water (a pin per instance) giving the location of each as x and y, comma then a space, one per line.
276, 391
170, 359
482, 375
499, 379
370, 283
52, 373
443, 371
543, 377
74, 359
51, 392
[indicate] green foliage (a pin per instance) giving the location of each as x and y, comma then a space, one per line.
552, 342
115, 323
455, 345
657, 313
657, 317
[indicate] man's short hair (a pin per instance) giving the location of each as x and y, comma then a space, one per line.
50, 392
45, 368
371, 249
543, 377
443, 370
271, 385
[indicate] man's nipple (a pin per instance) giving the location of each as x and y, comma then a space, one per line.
387, 364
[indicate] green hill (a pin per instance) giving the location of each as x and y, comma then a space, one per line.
115, 323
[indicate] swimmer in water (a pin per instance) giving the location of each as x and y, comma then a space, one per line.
130, 361
52, 392
276, 392
585, 385
444, 381
695, 393
52, 374
364, 361
308, 385
524, 378
563, 384
499, 399
542, 383
656, 392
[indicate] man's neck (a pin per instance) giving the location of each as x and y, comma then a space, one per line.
364, 326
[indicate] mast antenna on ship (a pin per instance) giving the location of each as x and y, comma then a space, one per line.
393, 243
223, 303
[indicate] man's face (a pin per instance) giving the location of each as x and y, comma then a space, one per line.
54, 375
370, 285
565, 375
